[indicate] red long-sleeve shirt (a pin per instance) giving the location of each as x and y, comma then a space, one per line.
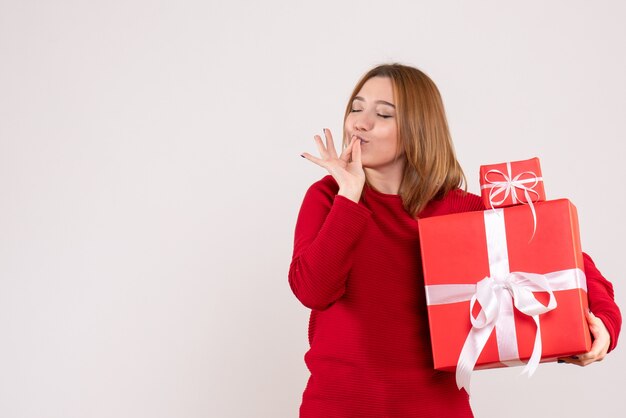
358, 267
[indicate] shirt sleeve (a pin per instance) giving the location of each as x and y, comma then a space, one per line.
328, 228
602, 300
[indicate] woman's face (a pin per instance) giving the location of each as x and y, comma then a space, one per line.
373, 120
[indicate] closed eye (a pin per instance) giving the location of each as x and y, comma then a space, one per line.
380, 115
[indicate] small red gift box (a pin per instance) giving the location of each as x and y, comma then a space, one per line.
511, 183
527, 299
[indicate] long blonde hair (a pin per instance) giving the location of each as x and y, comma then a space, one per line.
431, 168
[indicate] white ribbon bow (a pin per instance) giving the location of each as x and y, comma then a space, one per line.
510, 186
491, 294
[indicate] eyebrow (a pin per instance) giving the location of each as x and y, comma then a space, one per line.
377, 101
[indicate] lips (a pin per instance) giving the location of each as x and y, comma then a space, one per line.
363, 141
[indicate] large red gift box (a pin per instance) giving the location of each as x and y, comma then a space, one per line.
511, 183
491, 251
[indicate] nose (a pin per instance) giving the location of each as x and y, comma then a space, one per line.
363, 121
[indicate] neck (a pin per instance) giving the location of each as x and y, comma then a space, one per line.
385, 180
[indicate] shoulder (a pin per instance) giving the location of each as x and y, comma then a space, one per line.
326, 183
464, 201
455, 201
325, 190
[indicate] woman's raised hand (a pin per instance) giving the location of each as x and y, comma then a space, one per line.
346, 169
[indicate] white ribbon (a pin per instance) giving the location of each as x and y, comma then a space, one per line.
496, 294
510, 186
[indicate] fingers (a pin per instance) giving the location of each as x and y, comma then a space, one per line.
583, 359
313, 159
327, 152
595, 324
348, 163
595, 354
356, 152
599, 347
347, 153
330, 145
320, 145
590, 316
601, 336
570, 360
594, 327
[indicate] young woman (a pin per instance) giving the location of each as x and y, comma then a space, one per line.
356, 260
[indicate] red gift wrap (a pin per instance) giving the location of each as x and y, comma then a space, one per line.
483, 262
511, 183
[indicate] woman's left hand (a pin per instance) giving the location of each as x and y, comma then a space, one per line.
599, 347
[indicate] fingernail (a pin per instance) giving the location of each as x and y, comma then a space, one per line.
560, 361
302, 156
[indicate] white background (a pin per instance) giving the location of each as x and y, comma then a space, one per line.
150, 179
